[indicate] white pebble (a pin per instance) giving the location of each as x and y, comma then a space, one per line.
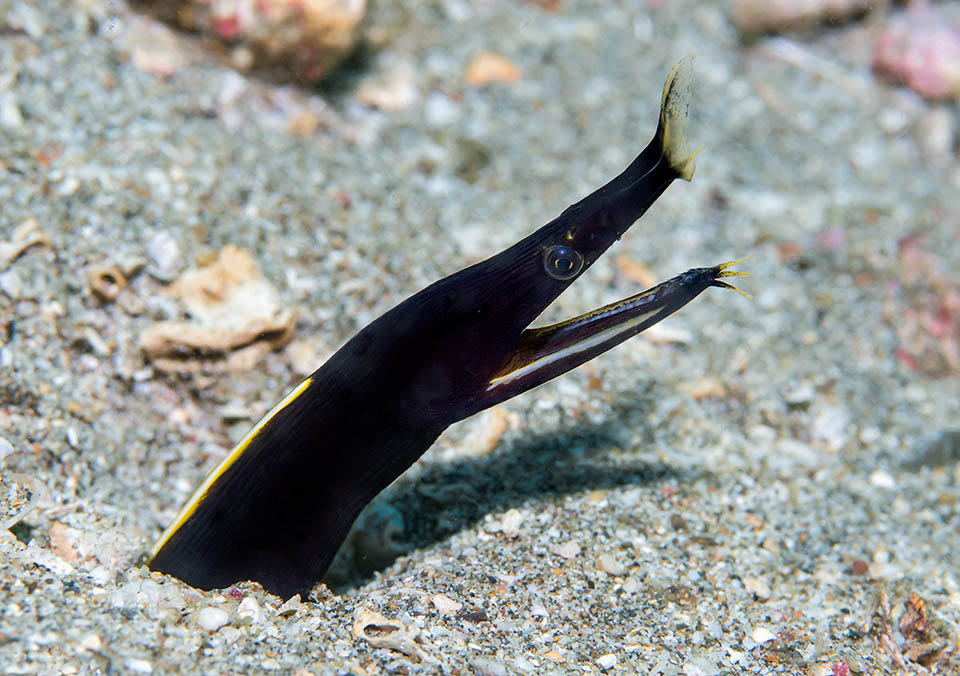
511, 522
27, 19
803, 393
138, 666
440, 111
700, 666
567, 550
608, 661
446, 605
164, 251
762, 635
882, 479
6, 448
11, 285
758, 587
10, 115
797, 451
249, 609
610, 565
211, 619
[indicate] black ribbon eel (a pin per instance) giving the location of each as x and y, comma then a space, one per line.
280, 504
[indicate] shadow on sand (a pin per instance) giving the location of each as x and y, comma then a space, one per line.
444, 499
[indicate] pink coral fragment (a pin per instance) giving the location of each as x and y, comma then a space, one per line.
840, 669
921, 49
227, 27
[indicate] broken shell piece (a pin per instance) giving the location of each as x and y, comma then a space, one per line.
65, 542
235, 319
380, 632
106, 282
26, 235
487, 68
19, 494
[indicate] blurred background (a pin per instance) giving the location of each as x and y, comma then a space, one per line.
203, 199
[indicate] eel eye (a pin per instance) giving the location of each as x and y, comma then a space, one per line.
562, 263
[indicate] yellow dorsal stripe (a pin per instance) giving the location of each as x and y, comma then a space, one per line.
200, 493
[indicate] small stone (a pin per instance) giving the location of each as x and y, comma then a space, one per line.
762, 635
30, 20
610, 565
439, 110
859, 567
164, 253
893, 121
511, 522
11, 285
394, 88
6, 448
937, 134
138, 666
211, 619
291, 607
92, 642
64, 541
487, 68
882, 479
445, 605
701, 666
50, 561
820, 669
608, 661
475, 616
758, 587
488, 666
489, 439
799, 452
10, 115
801, 395
704, 388
567, 550
250, 611
303, 357
554, 656
599, 497
523, 664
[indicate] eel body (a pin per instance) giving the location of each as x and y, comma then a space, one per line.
279, 505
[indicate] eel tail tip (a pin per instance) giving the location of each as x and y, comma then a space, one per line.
674, 107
